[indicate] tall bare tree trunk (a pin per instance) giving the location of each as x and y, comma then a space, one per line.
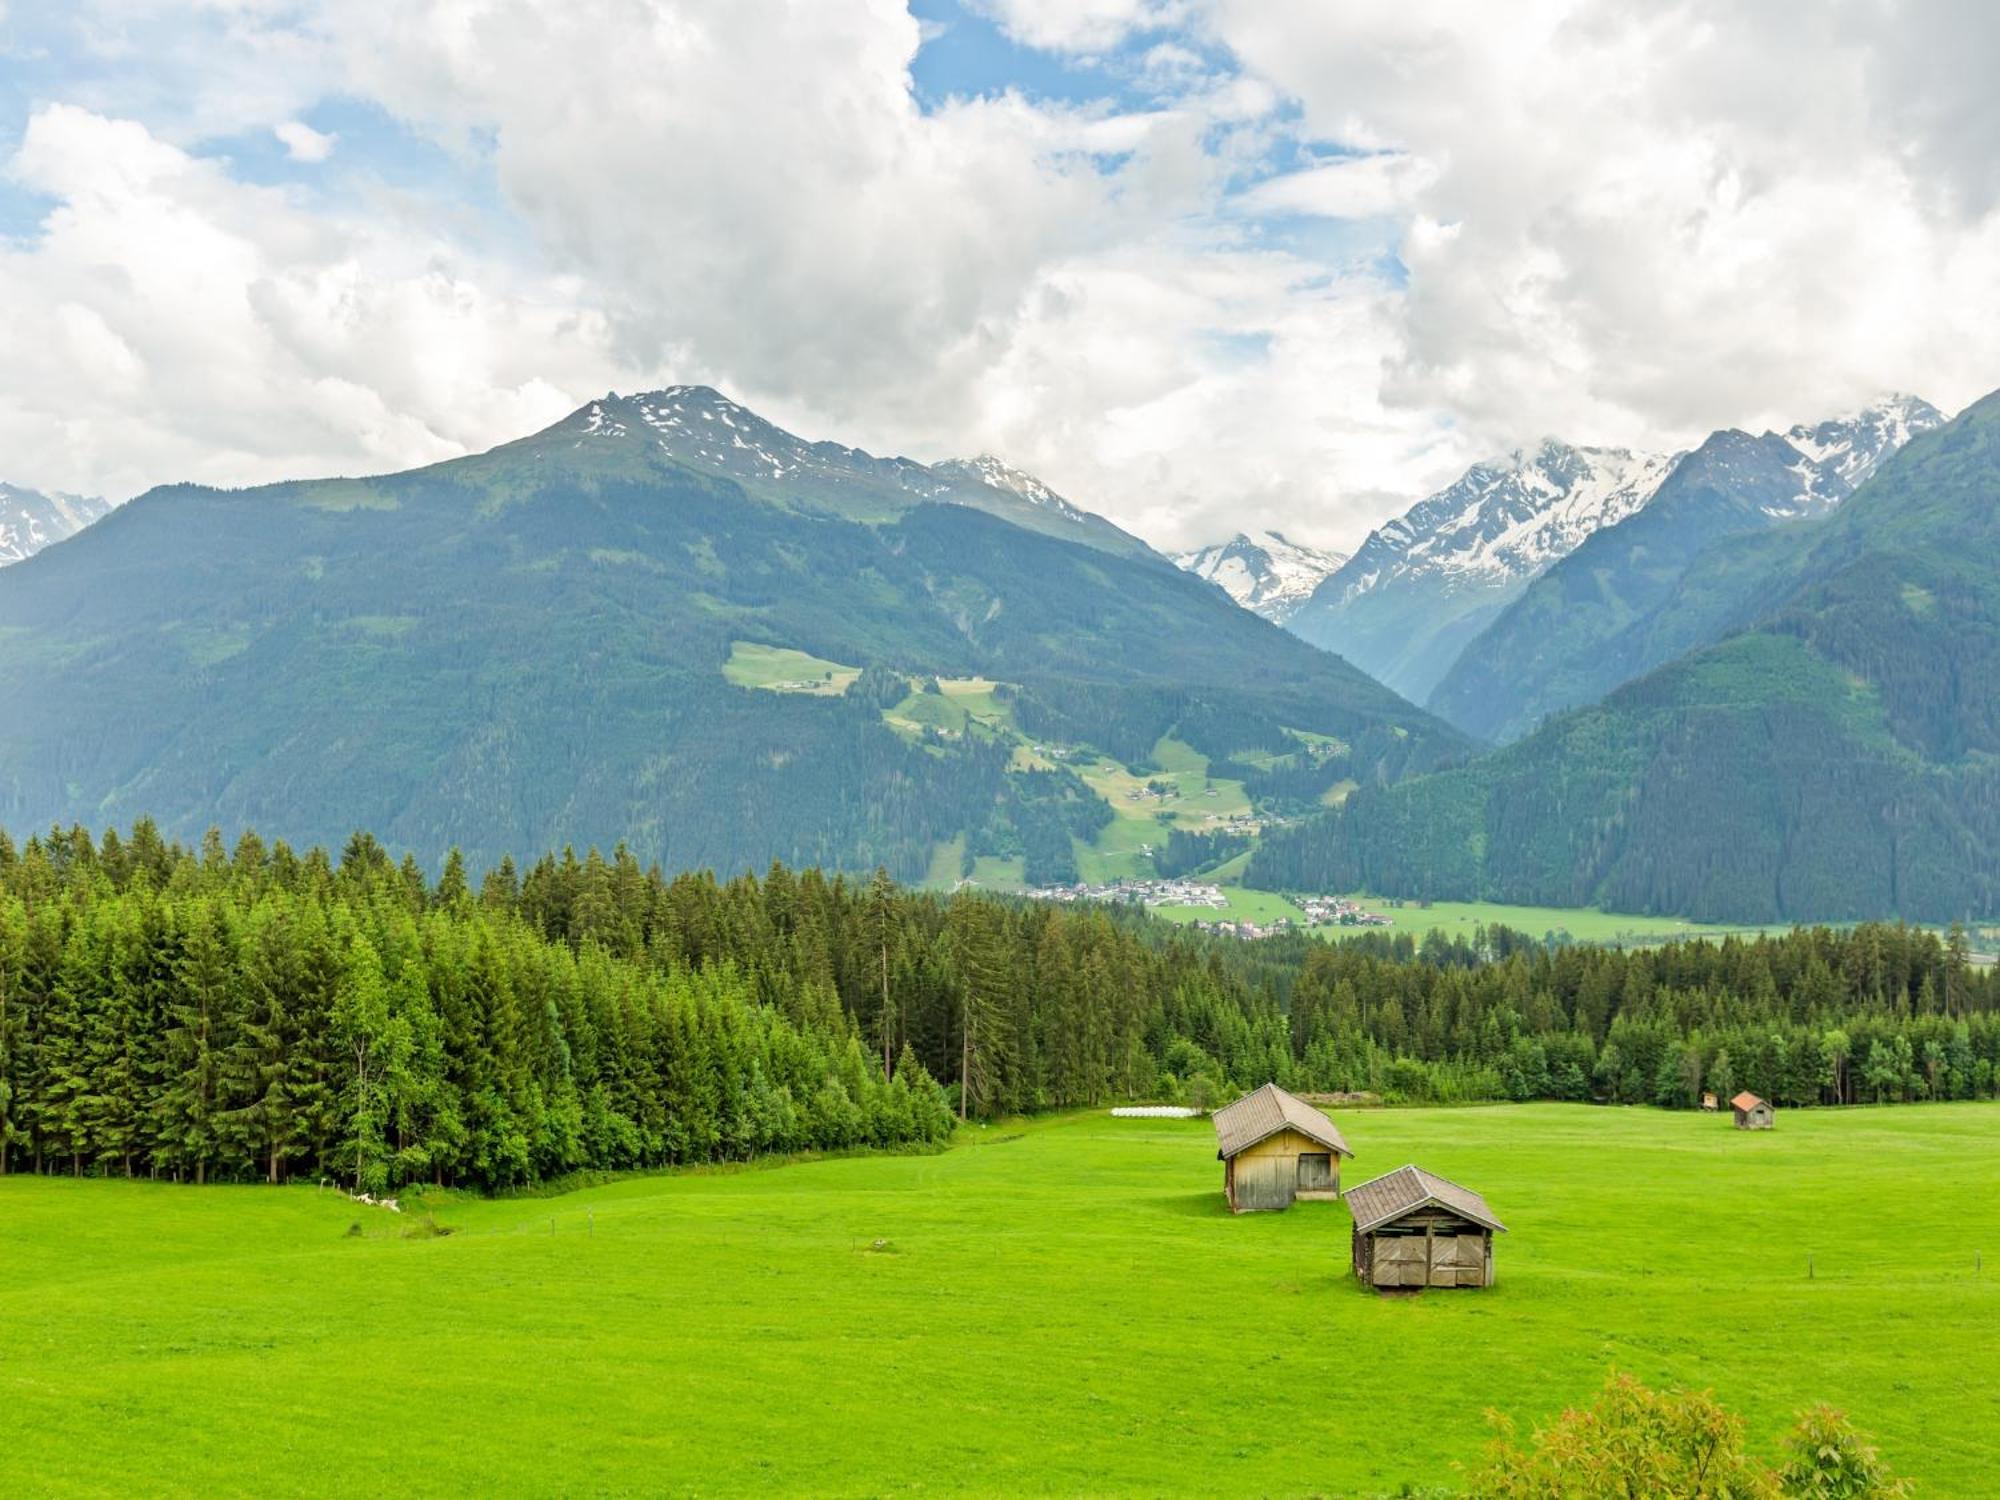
964, 1064
888, 1032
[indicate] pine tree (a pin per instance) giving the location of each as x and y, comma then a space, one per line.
197, 1040
361, 1029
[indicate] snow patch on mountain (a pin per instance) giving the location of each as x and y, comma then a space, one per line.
1507, 519
1848, 449
1265, 571
31, 520
990, 471
697, 427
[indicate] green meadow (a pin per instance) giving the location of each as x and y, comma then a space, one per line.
1455, 918
1584, 924
1055, 1307
780, 669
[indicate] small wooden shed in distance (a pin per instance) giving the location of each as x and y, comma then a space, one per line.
1275, 1147
1413, 1228
1752, 1112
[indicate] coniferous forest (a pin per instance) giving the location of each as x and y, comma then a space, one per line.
255, 1013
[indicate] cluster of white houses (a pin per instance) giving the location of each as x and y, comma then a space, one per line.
1412, 1228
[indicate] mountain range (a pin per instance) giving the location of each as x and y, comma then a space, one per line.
1833, 753
31, 520
662, 620
1264, 572
1422, 586
1593, 618
1754, 682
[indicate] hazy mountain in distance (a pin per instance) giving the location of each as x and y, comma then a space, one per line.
1424, 584
1263, 571
31, 520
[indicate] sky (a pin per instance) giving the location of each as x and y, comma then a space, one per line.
1202, 265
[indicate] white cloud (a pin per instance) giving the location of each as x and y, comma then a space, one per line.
1621, 220
1078, 25
170, 323
1640, 221
303, 143
1349, 187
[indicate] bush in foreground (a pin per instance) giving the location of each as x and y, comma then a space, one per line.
1635, 1441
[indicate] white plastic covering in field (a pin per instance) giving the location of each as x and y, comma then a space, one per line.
1155, 1112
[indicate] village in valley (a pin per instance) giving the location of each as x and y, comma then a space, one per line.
1187, 894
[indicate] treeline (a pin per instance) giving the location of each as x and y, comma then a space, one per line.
253, 1012
203, 1016
1875, 1014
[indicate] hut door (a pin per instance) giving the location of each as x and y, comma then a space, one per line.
1315, 1170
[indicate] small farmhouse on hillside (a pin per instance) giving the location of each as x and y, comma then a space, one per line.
1275, 1147
1752, 1113
1415, 1229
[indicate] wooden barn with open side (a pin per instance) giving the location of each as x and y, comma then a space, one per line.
1415, 1229
1753, 1112
1274, 1148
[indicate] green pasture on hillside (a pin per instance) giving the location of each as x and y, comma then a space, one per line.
1141, 819
1058, 1307
780, 669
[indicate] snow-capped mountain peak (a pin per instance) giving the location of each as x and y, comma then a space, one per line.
1509, 518
1265, 571
31, 520
697, 427
1851, 447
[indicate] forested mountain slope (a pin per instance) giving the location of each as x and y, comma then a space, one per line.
1839, 760
1590, 622
529, 647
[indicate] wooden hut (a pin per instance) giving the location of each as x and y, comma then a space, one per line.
1752, 1112
1275, 1147
1415, 1229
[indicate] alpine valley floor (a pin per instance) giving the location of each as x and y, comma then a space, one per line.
1060, 1306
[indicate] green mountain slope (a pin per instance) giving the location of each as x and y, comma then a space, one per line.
528, 647
1840, 759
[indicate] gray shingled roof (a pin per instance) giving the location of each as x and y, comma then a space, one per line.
1261, 1115
1378, 1202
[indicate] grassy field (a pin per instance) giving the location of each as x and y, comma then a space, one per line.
1454, 918
1062, 1307
1198, 802
1244, 906
1584, 924
779, 669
